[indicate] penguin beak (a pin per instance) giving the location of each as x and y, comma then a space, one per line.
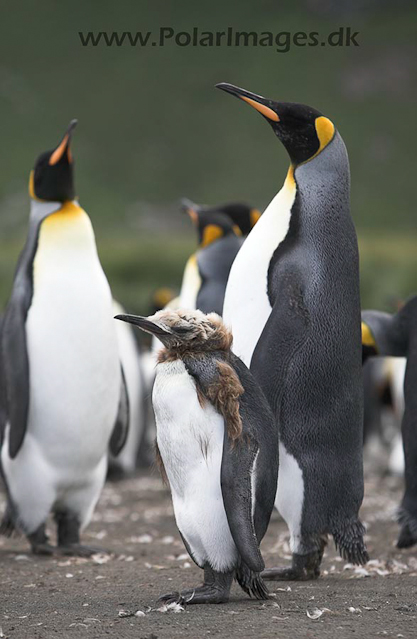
64, 145
191, 208
258, 102
145, 324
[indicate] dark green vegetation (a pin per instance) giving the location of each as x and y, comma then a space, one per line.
152, 128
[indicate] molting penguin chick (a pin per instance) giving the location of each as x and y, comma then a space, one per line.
62, 392
206, 272
217, 442
241, 214
396, 336
293, 305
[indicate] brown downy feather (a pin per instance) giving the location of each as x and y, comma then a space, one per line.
225, 392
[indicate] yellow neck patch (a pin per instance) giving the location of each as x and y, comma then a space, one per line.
290, 179
367, 337
68, 211
211, 233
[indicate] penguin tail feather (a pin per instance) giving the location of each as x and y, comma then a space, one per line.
7, 526
348, 539
251, 582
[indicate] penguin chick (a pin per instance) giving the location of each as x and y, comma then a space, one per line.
62, 392
217, 442
206, 272
396, 335
241, 214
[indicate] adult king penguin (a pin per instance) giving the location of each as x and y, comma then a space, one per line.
396, 336
217, 442
292, 302
62, 397
206, 272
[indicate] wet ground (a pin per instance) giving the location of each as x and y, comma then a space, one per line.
116, 595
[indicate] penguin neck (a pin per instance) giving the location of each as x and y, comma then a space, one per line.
63, 226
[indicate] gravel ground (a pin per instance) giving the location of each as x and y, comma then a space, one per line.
116, 594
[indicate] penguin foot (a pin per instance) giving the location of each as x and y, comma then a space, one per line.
39, 542
408, 532
79, 550
304, 568
204, 594
43, 549
215, 589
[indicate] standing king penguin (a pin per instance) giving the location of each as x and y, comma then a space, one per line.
206, 272
62, 392
292, 302
217, 442
396, 336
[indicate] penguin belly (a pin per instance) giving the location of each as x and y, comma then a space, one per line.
246, 305
75, 378
190, 440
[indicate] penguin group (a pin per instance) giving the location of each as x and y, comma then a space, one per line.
257, 384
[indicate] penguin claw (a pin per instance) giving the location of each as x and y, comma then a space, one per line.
174, 597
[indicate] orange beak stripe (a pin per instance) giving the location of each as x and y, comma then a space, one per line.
59, 151
266, 111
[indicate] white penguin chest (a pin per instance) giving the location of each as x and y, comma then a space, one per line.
246, 306
190, 437
71, 341
190, 440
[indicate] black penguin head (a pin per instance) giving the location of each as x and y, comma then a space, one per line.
211, 226
184, 329
243, 216
304, 131
52, 178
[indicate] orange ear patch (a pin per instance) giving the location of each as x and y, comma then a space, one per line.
59, 151
325, 131
211, 233
264, 110
254, 216
367, 337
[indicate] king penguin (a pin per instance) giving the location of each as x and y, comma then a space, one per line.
292, 302
396, 336
217, 443
241, 214
206, 272
62, 392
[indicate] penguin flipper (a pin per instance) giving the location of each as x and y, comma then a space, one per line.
14, 376
121, 427
237, 470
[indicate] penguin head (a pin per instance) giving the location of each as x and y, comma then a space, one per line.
184, 329
52, 177
304, 131
243, 216
211, 226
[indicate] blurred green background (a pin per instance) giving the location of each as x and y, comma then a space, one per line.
152, 128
